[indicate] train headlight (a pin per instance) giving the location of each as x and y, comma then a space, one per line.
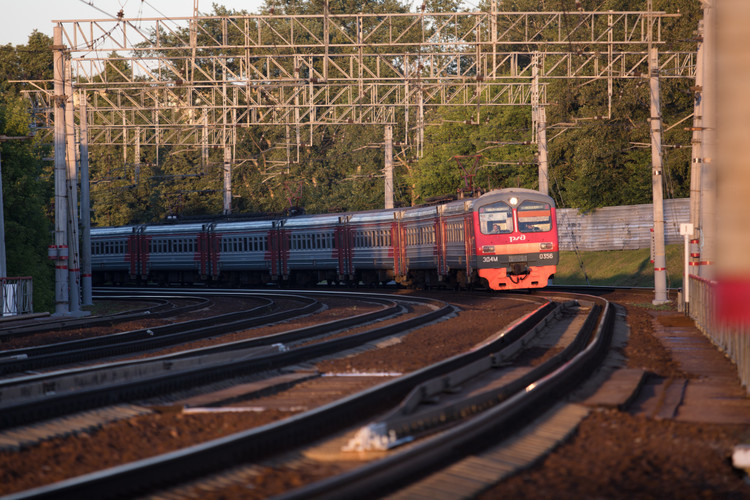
514, 201
488, 249
546, 246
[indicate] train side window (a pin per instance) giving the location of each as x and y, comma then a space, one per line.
534, 217
496, 218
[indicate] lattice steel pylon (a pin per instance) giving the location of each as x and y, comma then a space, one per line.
201, 80
186, 81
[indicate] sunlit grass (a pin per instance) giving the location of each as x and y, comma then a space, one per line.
618, 268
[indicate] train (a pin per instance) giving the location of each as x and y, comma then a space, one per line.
505, 239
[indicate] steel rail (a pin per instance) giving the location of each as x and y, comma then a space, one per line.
74, 351
57, 381
164, 308
54, 403
262, 442
387, 475
406, 421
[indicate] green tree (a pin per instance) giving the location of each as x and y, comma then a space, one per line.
25, 189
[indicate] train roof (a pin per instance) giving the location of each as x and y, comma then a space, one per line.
506, 193
173, 229
251, 225
112, 231
419, 212
307, 220
373, 216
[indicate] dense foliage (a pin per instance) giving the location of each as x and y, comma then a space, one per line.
26, 182
596, 158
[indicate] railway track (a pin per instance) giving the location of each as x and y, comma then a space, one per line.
31, 398
145, 339
159, 307
404, 416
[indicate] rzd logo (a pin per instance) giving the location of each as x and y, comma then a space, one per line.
517, 238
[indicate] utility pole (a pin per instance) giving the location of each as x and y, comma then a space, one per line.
74, 265
87, 298
660, 258
3, 269
388, 166
227, 171
696, 170
708, 171
539, 119
59, 251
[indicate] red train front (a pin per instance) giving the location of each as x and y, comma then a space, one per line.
516, 238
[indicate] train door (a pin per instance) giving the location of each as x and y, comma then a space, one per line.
133, 252
469, 243
208, 252
343, 242
440, 244
399, 245
278, 246
138, 253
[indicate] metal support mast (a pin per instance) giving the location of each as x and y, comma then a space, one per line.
708, 171
388, 166
227, 170
87, 298
3, 268
59, 251
539, 118
660, 259
74, 265
696, 170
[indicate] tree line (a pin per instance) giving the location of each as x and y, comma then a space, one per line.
593, 161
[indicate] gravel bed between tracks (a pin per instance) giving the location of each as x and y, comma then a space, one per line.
616, 455
167, 430
336, 309
613, 454
220, 305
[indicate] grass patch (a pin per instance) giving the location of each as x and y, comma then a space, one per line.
618, 268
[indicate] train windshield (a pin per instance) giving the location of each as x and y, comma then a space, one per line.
534, 216
496, 218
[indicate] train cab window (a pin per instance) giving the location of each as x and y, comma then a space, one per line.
496, 218
534, 217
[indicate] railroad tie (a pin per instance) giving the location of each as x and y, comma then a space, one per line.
474, 474
24, 436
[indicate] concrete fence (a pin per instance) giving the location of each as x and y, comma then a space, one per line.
619, 228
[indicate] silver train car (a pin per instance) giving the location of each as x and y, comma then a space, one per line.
457, 244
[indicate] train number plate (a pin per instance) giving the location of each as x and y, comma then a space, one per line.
516, 258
